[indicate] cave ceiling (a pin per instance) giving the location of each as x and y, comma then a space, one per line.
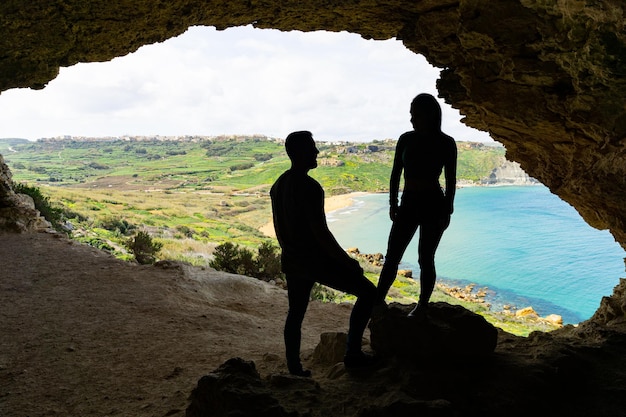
545, 78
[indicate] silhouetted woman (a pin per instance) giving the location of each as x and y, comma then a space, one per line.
422, 154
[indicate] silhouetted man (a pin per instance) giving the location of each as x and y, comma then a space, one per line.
311, 254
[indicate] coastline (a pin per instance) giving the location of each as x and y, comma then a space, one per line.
332, 203
471, 292
341, 201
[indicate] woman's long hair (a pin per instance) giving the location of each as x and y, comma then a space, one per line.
428, 105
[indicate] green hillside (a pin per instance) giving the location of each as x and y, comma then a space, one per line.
194, 191
201, 163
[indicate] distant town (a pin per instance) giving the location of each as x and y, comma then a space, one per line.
225, 138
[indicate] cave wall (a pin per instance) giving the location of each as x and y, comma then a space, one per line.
547, 78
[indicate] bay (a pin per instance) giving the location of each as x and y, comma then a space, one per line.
525, 244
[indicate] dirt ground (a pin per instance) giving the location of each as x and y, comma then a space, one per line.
84, 334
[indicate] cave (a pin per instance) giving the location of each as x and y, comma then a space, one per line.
545, 79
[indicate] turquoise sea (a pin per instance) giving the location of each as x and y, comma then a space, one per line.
526, 245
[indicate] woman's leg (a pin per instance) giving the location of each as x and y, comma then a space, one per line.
430, 236
402, 231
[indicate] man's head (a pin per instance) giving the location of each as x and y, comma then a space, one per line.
301, 149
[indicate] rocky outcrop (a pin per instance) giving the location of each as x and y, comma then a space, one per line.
454, 364
331, 162
17, 211
546, 79
374, 259
6, 191
612, 309
235, 386
510, 173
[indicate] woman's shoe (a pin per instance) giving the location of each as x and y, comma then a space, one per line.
420, 313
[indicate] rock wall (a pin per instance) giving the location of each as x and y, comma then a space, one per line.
17, 211
6, 192
545, 78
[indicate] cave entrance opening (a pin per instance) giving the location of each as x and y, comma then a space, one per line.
240, 81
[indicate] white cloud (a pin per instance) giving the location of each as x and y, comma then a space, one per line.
237, 81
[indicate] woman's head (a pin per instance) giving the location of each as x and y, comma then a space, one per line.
425, 113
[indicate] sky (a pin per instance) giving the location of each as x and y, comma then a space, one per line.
237, 81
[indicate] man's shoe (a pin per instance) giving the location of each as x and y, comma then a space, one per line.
300, 372
359, 360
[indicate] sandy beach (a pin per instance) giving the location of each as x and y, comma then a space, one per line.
336, 202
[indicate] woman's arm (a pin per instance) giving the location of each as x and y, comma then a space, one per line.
449, 168
394, 180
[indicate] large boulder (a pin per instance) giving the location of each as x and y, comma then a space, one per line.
449, 331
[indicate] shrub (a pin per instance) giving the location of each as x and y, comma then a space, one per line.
242, 167
97, 165
322, 293
225, 258
247, 265
218, 148
237, 260
185, 231
234, 259
268, 262
144, 248
116, 224
99, 243
71, 214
